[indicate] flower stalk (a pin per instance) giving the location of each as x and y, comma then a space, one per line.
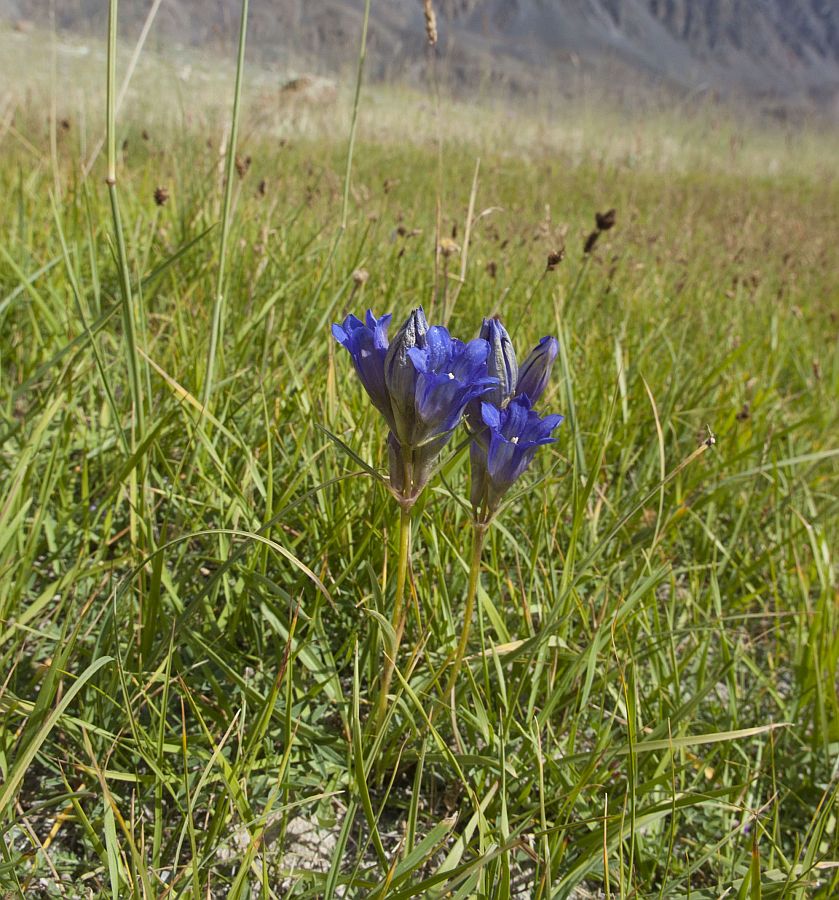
506, 433
424, 383
479, 530
398, 615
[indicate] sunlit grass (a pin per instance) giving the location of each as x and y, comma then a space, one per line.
648, 705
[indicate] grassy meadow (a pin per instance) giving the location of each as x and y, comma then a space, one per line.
196, 576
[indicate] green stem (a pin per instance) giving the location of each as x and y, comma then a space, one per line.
128, 320
479, 531
128, 314
217, 326
110, 87
362, 55
398, 617
571, 411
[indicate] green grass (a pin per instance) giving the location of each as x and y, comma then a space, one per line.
188, 611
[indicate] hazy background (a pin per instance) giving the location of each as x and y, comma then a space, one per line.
784, 54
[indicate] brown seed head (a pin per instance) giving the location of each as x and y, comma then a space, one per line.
243, 163
430, 22
263, 187
492, 268
606, 220
161, 195
591, 240
448, 247
360, 277
555, 258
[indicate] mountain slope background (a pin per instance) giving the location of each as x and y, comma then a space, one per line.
784, 50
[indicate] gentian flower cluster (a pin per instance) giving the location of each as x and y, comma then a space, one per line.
506, 429
425, 381
421, 383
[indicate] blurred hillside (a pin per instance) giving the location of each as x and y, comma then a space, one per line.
783, 51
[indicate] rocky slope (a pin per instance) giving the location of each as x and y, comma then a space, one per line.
774, 48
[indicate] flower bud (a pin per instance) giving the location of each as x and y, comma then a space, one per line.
400, 374
501, 362
536, 369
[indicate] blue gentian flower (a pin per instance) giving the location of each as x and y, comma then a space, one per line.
368, 346
513, 381
536, 369
449, 375
421, 383
515, 434
501, 362
506, 430
401, 376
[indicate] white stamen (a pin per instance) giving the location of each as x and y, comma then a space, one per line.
451, 377
514, 440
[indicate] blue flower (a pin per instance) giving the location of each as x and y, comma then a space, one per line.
421, 383
368, 346
401, 376
536, 369
531, 379
515, 434
450, 374
501, 362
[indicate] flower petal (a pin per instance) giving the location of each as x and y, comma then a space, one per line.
491, 415
438, 343
516, 418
